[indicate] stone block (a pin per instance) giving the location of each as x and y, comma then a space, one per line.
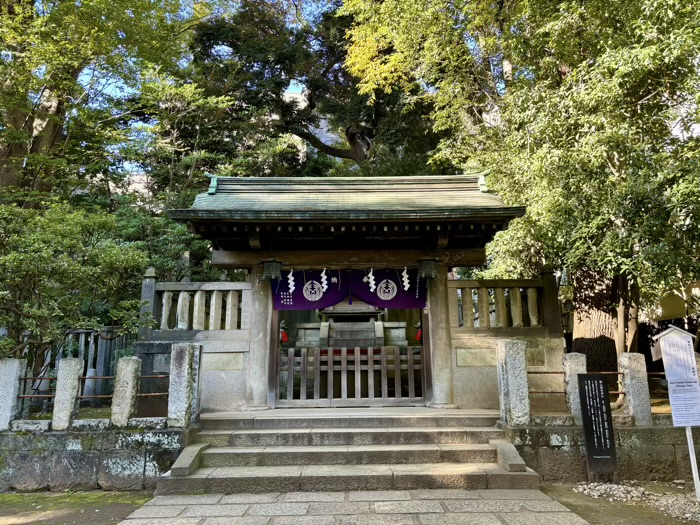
407, 507
683, 463
512, 382
182, 384
28, 471
475, 357
89, 424
73, 470
229, 361
536, 355
565, 464
636, 387
67, 384
472, 518
507, 456
11, 370
334, 508
655, 463
126, 389
157, 462
30, 425
574, 364
121, 470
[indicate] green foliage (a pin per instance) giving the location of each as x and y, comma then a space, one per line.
61, 269
584, 112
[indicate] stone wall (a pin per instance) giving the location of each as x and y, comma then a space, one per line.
223, 377
108, 459
554, 448
475, 379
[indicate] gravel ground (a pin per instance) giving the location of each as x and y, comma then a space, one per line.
673, 499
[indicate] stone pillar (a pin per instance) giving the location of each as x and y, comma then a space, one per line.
636, 388
148, 305
440, 336
182, 396
67, 384
258, 368
512, 382
574, 364
11, 370
126, 389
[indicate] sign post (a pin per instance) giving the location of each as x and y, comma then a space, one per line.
601, 460
683, 387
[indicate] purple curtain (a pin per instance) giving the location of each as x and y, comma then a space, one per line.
395, 288
309, 289
315, 289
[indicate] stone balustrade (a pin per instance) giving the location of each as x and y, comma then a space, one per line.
515, 304
178, 311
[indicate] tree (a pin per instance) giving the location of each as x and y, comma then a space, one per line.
57, 58
254, 54
584, 112
62, 269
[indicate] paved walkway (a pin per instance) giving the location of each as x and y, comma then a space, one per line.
414, 507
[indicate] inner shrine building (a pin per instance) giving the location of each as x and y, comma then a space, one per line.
348, 300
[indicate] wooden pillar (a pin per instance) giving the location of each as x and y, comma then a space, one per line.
258, 369
440, 340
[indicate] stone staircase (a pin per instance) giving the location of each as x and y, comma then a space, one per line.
347, 449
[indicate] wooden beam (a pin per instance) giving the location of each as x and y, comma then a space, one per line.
349, 258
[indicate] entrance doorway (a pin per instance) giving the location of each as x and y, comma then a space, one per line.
349, 338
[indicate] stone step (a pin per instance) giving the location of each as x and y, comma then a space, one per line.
228, 480
223, 422
349, 436
347, 455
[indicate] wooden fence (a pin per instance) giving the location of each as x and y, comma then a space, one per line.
386, 376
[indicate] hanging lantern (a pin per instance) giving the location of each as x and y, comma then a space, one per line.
272, 270
427, 269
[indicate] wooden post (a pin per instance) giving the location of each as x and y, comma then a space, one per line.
148, 303
440, 340
257, 372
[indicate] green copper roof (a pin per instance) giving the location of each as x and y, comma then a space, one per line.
347, 198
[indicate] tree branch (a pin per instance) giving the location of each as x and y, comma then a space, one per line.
325, 148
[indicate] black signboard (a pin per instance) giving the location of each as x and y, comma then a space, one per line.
597, 427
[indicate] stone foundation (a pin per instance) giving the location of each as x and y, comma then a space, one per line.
554, 448
108, 459
474, 363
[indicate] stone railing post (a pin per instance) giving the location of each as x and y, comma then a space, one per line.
635, 385
183, 398
126, 389
67, 385
512, 382
11, 371
574, 364
148, 303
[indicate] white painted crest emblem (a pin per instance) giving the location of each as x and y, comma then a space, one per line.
386, 290
313, 291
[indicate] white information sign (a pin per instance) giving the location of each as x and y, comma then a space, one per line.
683, 387
682, 376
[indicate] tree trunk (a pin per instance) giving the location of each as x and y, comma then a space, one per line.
621, 334
594, 324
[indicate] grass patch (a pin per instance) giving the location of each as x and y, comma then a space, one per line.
61, 500
94, 413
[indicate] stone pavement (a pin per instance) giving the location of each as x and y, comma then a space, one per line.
411, 507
